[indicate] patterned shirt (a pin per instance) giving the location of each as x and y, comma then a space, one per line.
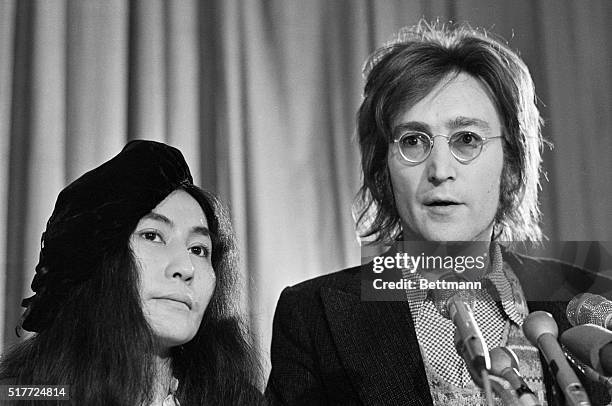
499, 310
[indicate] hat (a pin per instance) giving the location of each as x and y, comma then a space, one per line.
94, 214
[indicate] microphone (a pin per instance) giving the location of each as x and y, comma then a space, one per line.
505, 364
486, 381
470, 343
587, 308
588, 372
541, 330
592, 345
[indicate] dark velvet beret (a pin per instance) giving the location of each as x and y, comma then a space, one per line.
95, 213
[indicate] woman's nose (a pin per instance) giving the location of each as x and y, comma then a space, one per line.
180, 264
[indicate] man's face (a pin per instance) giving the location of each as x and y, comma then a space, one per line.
442, 199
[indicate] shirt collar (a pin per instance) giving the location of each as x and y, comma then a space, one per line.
171, 399
500, 275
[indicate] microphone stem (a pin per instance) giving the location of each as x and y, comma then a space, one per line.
486, 385
589, 372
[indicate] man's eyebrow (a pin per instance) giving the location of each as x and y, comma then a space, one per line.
410, 126
462, 122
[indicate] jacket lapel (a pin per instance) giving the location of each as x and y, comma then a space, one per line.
377, 345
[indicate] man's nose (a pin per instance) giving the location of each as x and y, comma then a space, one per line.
180, 264
441, 164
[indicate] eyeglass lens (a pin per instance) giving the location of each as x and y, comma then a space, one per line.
416, 146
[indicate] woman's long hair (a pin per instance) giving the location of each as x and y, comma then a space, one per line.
102, 346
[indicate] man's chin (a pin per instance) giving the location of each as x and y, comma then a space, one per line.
451, 232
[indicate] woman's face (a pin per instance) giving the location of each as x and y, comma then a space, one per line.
173, 251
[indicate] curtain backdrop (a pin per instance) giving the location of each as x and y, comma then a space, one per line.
261, 97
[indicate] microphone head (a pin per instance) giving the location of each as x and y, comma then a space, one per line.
443, 297
586, 342
538, 323
572, 308
502, 358
588, 308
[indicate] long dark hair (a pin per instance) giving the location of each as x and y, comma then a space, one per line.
401, 73
101, 345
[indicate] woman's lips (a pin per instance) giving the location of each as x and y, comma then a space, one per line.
178, 298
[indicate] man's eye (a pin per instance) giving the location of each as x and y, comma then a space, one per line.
200, 251
412, 140
468, 138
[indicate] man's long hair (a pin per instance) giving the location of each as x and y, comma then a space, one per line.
102, 346
404, 71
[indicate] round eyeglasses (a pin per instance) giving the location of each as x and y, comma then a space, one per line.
415, 146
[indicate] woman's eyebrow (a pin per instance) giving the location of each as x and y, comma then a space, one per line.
158, 217
202, 230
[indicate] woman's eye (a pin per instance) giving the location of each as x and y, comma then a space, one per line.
200, 251
151, 236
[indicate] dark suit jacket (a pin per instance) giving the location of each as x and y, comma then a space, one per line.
329, 347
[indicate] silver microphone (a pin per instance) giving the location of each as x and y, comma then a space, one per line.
505, 364
588, 308
541, 330
455, 305
488, 382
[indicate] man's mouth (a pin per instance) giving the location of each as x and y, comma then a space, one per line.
441, 203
